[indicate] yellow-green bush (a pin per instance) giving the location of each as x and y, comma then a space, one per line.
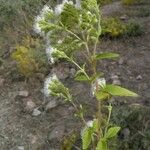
30, 57
112, 27
131, 2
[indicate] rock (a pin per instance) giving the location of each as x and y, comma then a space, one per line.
23, 93
72, 72
121, 61
139, 77
124, 17
36, 112
51, 104
125, 133
115, 80
20, 147
1, 81
62, 71
33, 138
57, 133
30, 105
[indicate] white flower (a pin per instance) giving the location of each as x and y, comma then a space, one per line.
47, 38
101, 82
78, 4
90, 123
59, 41
36, 25
59, 8
49, 51
45, 10
49, 80
39, 18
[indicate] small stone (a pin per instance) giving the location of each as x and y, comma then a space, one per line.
30, 105
57, 133
124, 17
36, 112
72, 72
139, 77
120, 61
125, 133
62, 71
115, 80
23, 93
20, 147
51, 104
2, 81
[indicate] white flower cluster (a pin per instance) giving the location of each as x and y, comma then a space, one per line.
59, 7
57, 10
90, 123
78, 4
49, 80
49, 51
39, 18
101, 82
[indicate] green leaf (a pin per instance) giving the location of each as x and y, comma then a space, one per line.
116, 90
86, 137
100, 95
112, 132
102, 144
106, 56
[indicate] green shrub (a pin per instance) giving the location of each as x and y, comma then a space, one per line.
133, 29
136, 119
30, 57
112, 27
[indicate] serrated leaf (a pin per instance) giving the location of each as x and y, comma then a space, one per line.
116, 90
102, 144
112, 132
86, 137
106, 56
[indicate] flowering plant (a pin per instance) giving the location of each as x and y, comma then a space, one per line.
70, 28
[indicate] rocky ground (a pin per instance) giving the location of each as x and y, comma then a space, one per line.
30, 121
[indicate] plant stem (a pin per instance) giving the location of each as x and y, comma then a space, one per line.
99, 31
69, 31
82, 118
79, 67
109, 115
